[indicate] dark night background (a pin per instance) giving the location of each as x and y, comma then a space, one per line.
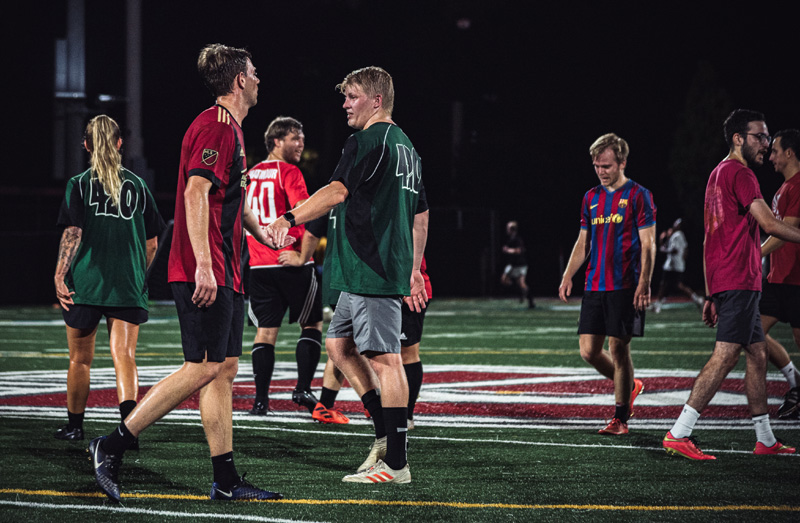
536, 85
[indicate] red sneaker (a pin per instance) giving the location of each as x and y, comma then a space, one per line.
615, 428
778, 448
323, 415
686, 447
638, 388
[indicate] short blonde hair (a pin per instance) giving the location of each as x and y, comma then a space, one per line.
613, 142
374, 81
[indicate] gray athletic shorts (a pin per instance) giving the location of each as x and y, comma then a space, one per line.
739, 320
372, 321
515, 272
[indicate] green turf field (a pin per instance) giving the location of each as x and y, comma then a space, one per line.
497, 437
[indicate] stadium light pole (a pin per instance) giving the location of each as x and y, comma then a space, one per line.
134, 143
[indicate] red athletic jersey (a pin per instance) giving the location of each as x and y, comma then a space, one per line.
275, 187
213, 147
732, 239
784, 263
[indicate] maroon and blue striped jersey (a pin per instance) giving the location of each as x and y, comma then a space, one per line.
612, 221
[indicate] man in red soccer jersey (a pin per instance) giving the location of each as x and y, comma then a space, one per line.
284, 279
780, 297
205, 274
618, 236
734, 209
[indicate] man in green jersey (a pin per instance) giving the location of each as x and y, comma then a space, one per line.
375, 250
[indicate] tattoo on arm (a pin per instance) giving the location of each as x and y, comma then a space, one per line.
70, 241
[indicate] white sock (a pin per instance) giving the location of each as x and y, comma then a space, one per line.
790, 373
685, 423
764, 430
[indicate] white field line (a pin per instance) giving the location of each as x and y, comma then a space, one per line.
227, 516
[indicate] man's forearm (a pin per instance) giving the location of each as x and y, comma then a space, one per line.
196, 203
420, 237
320, 203
577, 257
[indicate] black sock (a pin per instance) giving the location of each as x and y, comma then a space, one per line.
263, 355
125, 408
118, 441
225, 475
372, 402
74, 421
328, 397
621, 413
414, 377
396, 420
307, 353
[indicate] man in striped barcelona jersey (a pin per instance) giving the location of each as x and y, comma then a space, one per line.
617, 235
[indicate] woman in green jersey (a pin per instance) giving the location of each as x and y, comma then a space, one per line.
111, 227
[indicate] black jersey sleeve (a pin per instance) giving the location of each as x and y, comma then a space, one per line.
422, 202
72, 210
153, 222
319, 226
344, 169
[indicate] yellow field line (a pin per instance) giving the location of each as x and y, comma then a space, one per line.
644, 508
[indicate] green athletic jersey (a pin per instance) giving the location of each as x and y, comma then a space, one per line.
370, 240
110, 264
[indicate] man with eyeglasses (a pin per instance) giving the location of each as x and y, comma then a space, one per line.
780, 299
734, 210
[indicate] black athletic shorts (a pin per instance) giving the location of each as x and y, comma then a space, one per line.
738, 319
213, 333
273, 290
782, 301
411, 328
610, 313
88, 316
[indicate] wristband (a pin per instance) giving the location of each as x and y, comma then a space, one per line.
707, 298
289, 217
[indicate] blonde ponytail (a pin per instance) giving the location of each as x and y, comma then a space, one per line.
102, 136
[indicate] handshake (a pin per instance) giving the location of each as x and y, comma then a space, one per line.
275, 235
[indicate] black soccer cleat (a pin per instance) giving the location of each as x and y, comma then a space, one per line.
305, 399
260, 408
789, 408
244, 490
67, 433
106, 468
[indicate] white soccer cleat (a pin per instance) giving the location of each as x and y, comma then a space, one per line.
380, 473
376, 453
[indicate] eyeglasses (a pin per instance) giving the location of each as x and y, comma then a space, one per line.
761, 137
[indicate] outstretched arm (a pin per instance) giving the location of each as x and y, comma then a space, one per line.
251, 225
771, 225
317, 204
774, 243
